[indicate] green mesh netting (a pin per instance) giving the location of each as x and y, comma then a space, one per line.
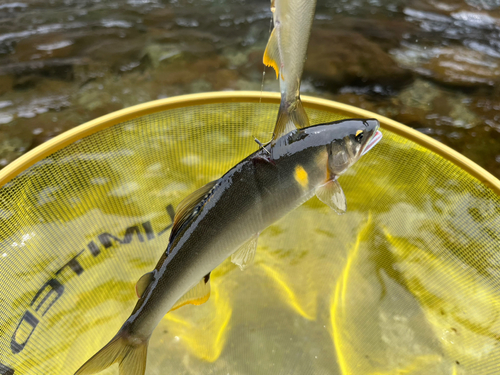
407, 282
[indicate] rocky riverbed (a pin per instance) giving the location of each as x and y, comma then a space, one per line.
431, 64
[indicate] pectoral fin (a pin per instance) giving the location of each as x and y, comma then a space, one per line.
197, 295
246, 253
143, 283
332, 194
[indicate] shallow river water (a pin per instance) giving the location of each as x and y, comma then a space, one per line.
430, 64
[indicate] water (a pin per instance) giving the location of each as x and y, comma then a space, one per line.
432, 65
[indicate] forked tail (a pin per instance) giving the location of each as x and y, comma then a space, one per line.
130, 355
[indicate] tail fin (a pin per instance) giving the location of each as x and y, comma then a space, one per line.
290, 117
130, 356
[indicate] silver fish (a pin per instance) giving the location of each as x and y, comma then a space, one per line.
225, 217
286, 53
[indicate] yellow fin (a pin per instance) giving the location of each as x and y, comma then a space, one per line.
187, 206
246, 253
131, 357
290, 118
143, 283
197, 295
272, 53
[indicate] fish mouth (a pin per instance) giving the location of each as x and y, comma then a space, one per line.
373, 141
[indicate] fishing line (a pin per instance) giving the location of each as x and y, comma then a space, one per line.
264, 69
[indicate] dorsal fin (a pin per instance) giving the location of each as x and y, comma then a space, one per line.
188, 205
143, 283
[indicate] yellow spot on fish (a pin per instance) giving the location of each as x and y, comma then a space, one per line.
359, 132
301, 176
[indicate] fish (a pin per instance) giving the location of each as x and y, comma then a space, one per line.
286, 53
225, 217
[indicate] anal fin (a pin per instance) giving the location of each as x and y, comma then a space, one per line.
331, 194
245, 255
272, 53
197, 295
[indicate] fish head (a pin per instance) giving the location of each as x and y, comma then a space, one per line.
351, 140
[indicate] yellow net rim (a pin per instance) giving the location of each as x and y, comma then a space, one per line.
79, 132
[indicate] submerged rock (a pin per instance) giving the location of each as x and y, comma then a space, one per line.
464, 67
43, 47
158, 53
423, 104
341, 58
6, 83
10, 149
456, 66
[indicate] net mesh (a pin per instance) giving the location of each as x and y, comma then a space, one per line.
406, 282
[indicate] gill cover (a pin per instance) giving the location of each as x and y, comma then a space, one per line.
360, 135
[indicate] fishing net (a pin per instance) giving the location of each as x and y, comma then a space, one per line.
406, 282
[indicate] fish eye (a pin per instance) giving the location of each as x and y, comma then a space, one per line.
359, 136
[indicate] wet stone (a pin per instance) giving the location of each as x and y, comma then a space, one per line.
201, 85
116, 52
6, 83
356, 100
387, 33
464, 67
27, 73
423, 103
211, 68
11, 149
156, 54
354, 60
42, 47
454, 66
488, 107
42, 137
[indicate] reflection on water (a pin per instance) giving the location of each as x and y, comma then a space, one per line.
433, 65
